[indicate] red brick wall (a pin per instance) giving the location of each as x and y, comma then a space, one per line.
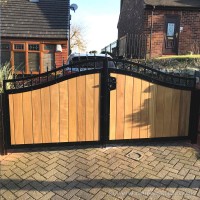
131, 17
189, 38
61, 56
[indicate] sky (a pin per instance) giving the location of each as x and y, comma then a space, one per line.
99, 19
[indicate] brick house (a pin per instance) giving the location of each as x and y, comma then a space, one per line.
171, 27
34, 34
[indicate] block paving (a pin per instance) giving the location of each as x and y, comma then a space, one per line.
164, 170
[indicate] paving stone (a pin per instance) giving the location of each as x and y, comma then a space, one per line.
104, 173
84, 195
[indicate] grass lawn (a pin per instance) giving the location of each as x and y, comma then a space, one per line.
179, 57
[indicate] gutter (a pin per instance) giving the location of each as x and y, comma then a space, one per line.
182, 8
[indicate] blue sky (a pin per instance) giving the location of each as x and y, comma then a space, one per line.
99, 19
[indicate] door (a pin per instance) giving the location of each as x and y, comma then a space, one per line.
172, 27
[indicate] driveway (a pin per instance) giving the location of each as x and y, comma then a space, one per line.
168, 170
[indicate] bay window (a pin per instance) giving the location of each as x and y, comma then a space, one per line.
28, 57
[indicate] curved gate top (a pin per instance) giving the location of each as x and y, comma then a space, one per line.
98, 101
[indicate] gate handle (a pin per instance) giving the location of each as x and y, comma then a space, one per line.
112, 83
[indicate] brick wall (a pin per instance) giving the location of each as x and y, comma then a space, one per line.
131, 17
189, 38
133, 20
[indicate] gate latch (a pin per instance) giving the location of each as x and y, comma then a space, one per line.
112, 83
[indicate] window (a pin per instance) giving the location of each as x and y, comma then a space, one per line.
19, 46
26, 56
19, 61
33, 61
5, 53
33, 57
170, 29
33, 47
49, 57
48, 61
19, 57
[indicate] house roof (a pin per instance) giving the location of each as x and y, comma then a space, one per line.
46, 19
174, 3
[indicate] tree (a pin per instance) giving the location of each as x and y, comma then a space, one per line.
77, 40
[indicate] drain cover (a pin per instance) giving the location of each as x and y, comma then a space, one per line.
134, 155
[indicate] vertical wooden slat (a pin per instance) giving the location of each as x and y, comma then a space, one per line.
187, 112
18, 118
113, 100
175, 112
184, 113
28, 119
37, 116
54, 101
152, 110
128, 108
46, 115
144, 117
136, 108
12, 122
167, 112
159, 120
81, 104
64, 108
90, 107
120, 107
96, 107
72, 110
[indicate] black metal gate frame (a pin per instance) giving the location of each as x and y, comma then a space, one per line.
33, 82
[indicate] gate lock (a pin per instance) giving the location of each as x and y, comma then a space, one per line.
112, 83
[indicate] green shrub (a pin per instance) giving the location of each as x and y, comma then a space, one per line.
5, 73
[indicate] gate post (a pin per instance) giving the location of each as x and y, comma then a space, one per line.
104, 104
194, 115
3, 150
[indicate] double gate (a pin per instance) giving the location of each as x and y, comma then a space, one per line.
97, 101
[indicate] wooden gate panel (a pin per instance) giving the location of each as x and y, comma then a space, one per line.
46, 115
37, 116
136, 108
159, 114
72, 110
175, 113
12, 121
81, 108
18, 118
144, 109
64, 112
27, 117
120, 97
168, 96
128, 108
54, 117
89, 108
96, 111
152, 108
153, 111
184, 113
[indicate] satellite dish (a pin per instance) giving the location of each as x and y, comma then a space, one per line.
74, 7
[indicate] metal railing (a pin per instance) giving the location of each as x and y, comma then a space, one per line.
132, 46
94, 66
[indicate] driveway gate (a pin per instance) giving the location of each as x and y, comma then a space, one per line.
90, 102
